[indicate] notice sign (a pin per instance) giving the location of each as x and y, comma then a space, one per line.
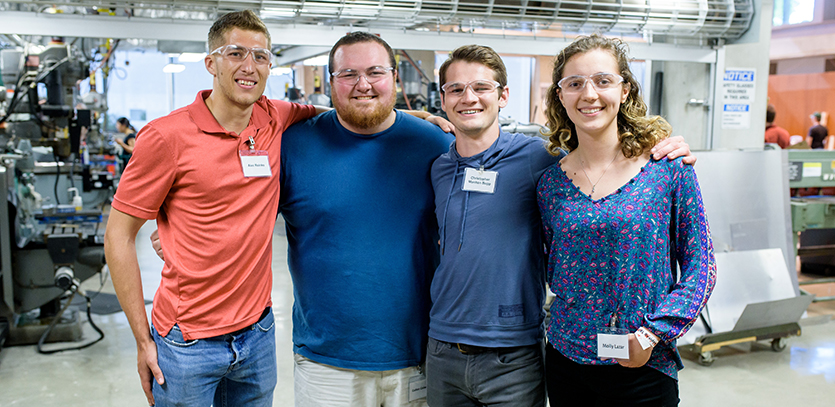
737, 97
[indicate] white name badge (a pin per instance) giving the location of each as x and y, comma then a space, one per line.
256, 163
417, 387
480, 180
612, 343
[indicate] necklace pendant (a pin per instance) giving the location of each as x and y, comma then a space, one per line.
592, 191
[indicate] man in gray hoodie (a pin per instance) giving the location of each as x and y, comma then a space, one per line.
486, 322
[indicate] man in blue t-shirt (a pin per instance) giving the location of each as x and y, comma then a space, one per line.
357, 202
486, 322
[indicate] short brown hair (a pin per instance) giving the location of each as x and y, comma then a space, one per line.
637, 132
245, 20
770, 113
478, 54
358, 37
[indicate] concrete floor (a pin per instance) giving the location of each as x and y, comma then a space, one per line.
105, 374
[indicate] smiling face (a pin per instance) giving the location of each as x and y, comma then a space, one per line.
363, 107
593, 112
472, 114
239, 84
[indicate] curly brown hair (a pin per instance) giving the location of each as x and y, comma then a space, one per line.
637, 132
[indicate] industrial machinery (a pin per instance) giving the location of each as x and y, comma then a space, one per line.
412, 81
57, 173
813, 217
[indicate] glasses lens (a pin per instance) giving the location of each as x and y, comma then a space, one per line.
376, 73
605, 81
261, 56
454, 88
572, 83
234, 53
482, 87
346, 75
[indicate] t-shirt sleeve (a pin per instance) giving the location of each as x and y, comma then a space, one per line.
540, 160
544, 198
149, 176
294, 113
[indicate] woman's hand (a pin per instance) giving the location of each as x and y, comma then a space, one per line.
638, 356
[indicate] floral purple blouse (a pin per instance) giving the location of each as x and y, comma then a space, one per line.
617, 255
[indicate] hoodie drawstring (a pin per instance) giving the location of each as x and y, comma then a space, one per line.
446, 211
446, 208
464, 218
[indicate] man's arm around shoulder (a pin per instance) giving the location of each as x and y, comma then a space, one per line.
673, 147
120, 252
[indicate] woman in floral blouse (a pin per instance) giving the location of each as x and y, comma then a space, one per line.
617, 224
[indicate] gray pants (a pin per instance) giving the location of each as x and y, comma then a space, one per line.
500, 377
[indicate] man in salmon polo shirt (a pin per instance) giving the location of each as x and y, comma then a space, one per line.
208, 173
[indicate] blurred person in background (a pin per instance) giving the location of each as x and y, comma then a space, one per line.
773, 133
123, 126
817, 133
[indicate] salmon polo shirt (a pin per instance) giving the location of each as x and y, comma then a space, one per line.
215, 225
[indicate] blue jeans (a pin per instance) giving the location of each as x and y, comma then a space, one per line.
501, 377
237, 369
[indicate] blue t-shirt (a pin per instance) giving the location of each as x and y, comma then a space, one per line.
490, 286
362, 239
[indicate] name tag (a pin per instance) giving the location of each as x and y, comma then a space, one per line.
480, 180
256, 163
417, 387
613, 343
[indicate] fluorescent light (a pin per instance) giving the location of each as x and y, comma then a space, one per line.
268, 12
191, 57
321, 60
174, 68
281, 70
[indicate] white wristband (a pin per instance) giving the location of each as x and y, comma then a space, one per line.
645, 338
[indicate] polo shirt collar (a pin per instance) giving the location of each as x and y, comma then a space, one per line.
207, 123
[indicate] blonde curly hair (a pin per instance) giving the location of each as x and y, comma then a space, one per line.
637, 132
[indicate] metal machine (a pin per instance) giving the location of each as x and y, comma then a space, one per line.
813, 217
416, 89
57, 172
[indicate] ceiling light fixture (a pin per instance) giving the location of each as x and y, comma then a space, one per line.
281, 70
191, 57
173, 68
320, 60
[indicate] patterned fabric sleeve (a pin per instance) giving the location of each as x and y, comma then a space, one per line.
694, 252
